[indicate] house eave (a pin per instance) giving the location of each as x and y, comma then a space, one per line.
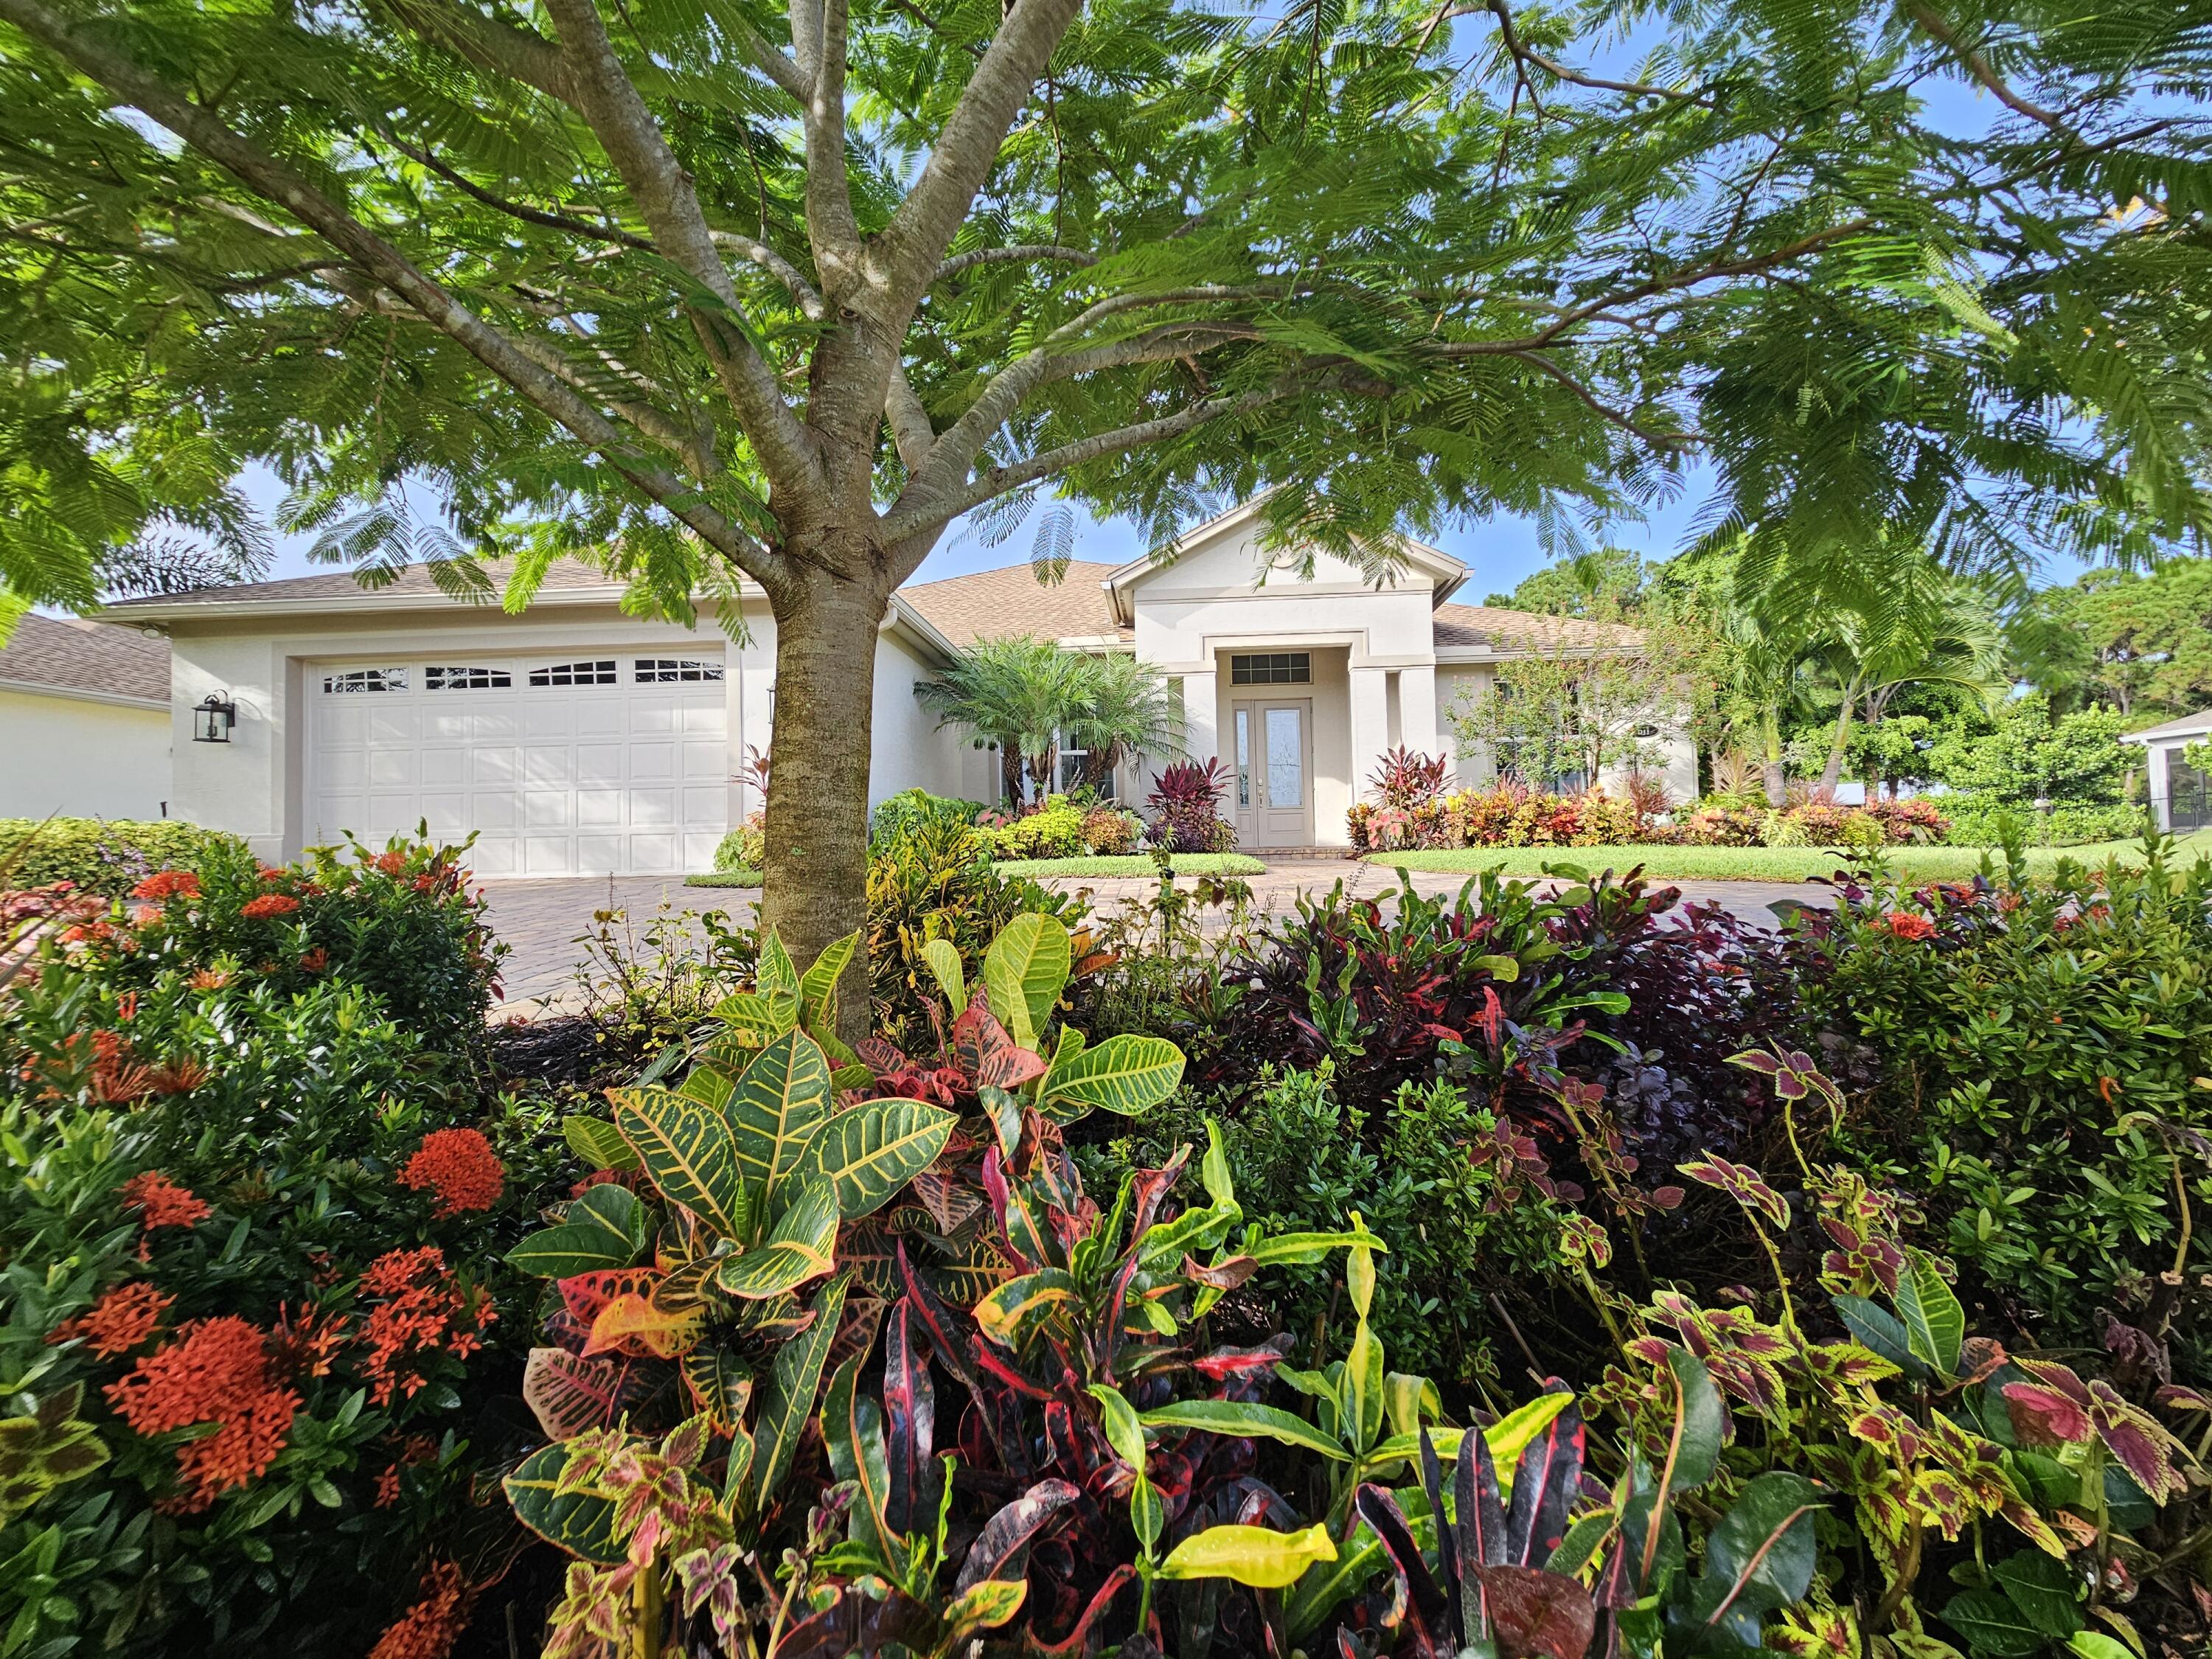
77, 694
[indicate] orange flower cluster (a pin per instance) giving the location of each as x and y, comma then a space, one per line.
392, 864
119, 1321
119, 1077
316, 960
163, 1202
425, 1312
268, 904
269, 873
1903, 924
460, 1167
306, 1343
217, 1371
429, 1628
167, 884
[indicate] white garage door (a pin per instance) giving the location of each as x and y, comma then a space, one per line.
562, 766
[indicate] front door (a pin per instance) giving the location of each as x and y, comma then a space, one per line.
1273, 746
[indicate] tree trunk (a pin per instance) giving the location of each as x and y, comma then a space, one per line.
814, 891
1832, 772
1010, 774
1770, 734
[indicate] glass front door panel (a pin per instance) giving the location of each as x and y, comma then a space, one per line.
1243, 757
1286, 772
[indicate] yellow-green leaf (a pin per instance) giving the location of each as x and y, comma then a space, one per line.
1124, 1074
817, 986
781, 1100
1024, 971
942, 956
802, 1245
688, 1151
874, 1149
1249, 1555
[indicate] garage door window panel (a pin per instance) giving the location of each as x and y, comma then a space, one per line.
663, 670
446, 677
598, 672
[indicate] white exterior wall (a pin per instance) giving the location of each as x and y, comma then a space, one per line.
83, 757
1191, 616
253, 785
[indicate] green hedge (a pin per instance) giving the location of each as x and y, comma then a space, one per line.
100, 855
1975, 821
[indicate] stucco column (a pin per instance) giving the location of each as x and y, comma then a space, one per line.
2157, 780
1370, 725
1201, 716
1417, 709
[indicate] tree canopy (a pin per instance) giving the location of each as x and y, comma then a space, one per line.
701, 287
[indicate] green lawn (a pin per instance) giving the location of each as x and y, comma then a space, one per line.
1780, 864
725, 878
1135, 864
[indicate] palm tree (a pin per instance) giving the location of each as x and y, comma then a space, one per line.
1029, 696
1127, 713
1928, 627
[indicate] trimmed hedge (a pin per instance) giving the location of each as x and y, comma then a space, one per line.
107, 856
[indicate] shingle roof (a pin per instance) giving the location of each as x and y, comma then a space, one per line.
565, 575
2185, 725
992, 604
71, 655
1524, 630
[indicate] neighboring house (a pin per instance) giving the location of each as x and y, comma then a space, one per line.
2179, 793
84, 721
573, 740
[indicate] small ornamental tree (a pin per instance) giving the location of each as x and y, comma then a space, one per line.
781, 291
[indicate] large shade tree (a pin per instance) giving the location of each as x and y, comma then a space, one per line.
713, 286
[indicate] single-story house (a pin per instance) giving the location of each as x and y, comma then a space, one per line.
2179, 793
576, 740
84, 710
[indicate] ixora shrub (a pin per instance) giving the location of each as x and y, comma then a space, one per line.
106, 856
401, 923
2044, 1047
250, 1237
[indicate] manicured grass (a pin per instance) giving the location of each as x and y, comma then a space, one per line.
1778, 864
1135, 864
725, 878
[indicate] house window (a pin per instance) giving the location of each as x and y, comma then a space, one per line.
1072, 764
364, 679
661, 671
449, 679
1271, 668
575, 673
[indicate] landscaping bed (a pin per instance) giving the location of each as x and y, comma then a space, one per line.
1116, 1292
1135, 864
1778, 864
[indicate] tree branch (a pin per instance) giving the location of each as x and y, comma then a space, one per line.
1667, 442
529, 216
1980, 68
910, 248
369, 252
1003, 393
611, 103
497, 48
911, 431
818, 30
1024, 254
760, 253
1522, 53
897, 525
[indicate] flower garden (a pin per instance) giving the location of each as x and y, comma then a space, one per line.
1564, 1272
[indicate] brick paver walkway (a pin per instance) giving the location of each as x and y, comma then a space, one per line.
541, 921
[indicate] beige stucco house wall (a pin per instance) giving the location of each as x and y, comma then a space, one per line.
84, 721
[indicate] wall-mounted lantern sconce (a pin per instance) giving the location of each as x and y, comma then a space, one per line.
213, 718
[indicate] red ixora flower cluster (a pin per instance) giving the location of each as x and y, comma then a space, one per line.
429, 1628
268, 904
122, 1319
424, 1311
1903, 924
460, 1167
217, 1371
167, 884
161, 1202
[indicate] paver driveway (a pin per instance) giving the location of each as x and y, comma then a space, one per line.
541, 921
